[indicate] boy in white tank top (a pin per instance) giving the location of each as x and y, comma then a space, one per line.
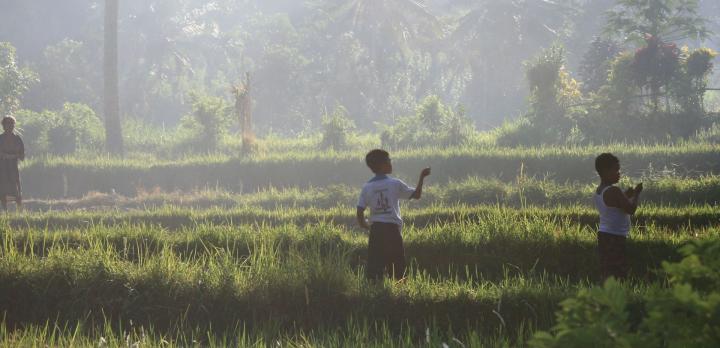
615, 208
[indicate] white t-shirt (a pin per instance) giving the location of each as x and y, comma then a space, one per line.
382, 195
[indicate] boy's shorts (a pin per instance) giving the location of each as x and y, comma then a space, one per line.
385, 251
613, 261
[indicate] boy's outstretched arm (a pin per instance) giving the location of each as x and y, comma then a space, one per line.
361, 218
418, 189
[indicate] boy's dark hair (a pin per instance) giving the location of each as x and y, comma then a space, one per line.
7, 119
605, 161
375, 158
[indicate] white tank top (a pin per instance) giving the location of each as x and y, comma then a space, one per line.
612, 220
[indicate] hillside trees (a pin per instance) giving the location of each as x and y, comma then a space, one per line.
14, 80
493, 39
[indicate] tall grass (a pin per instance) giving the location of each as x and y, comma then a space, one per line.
474, 280
485, 275
353, 334
669, 217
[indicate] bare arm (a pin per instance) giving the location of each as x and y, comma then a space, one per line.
361, 218
418, 189
628, 202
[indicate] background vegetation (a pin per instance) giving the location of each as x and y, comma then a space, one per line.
414, 74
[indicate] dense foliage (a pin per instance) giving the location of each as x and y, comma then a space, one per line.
686, 313
380, 62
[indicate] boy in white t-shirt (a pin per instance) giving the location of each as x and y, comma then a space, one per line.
382, 196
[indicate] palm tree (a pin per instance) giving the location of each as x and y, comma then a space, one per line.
491, 42
113, 130
386, 27
174, 45
665, 20
391, 33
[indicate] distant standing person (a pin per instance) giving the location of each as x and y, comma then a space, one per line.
615, 207
382, 194
12, 150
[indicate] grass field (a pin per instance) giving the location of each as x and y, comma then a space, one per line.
467, 278
75, 177
493, 248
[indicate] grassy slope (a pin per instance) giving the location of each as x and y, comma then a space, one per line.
76, 177
667, 191
306, 278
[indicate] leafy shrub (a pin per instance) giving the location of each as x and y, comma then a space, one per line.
688, 87
336, 128
457, 128
520, 132
554, 105
433, 124
74, 128
33, 127
203, 128
80, 120
523, 132
62, 140
686, 313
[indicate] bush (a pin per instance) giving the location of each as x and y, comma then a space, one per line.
433, 124
203, 128
79, 120
523, 132
336, 128
74, 128
520, 132
684, 314
33, 127
554, 100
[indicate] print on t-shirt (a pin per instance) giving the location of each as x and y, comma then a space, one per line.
382, 196
382, 203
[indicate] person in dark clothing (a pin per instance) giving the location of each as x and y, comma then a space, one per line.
12, 150
382, 196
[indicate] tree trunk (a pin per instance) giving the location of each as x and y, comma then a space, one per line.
111, 98
243, 108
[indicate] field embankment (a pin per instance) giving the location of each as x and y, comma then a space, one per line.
55, 178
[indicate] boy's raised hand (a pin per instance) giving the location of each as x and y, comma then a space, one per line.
425, 172
638, 188
632, 192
